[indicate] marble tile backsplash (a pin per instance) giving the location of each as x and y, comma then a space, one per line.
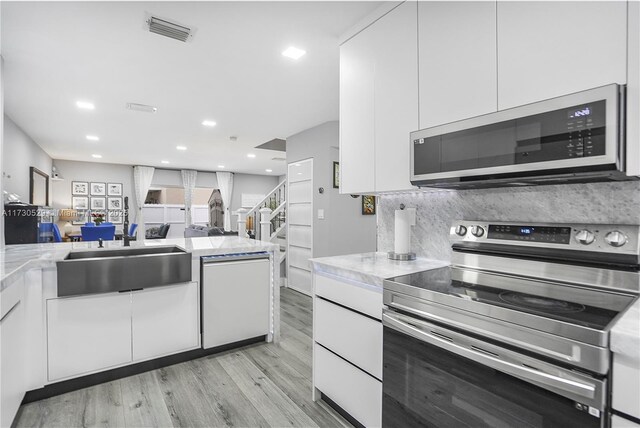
569, 203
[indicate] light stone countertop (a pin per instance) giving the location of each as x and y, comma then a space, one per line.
17, 259
625, 334
371, 268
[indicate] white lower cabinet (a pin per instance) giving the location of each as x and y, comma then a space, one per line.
165, 320
347, 352
354, 390
88, 333
626, 385
336, 329
620, 422
12, 353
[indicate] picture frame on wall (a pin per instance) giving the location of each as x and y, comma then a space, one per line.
114, 203
98, 203
114, 216
80, 188
80, 203
98, 189
336, 175
368, 205
114, 189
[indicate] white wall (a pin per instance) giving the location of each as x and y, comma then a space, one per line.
344, 229
92, 171
19, 153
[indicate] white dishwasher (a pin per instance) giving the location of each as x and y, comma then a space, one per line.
235, 297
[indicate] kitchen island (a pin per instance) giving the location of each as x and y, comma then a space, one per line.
53, 344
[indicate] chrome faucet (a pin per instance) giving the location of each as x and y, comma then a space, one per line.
125, 225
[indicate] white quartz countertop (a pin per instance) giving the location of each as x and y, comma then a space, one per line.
625, 334
372, 268
15, 259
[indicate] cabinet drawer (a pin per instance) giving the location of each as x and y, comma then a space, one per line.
352, 389
626, 385
352, 336
361, 299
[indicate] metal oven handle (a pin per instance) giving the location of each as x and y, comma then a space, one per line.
588, 393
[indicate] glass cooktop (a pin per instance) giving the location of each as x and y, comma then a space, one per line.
584, 307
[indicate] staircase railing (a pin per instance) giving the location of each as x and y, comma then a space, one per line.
276, 202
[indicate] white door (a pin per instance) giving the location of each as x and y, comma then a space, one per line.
548, 49
299, 225
357, 140
165, 320
457, 60
396, 96
235, 301
88, 333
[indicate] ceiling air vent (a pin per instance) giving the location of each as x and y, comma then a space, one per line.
169, 29
142, 107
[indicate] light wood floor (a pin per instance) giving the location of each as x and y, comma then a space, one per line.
262, 385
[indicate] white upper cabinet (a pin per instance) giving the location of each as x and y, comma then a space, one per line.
396, 96
357, 153
457, 61
548, 49
378, 103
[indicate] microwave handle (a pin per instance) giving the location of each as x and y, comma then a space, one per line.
567, 387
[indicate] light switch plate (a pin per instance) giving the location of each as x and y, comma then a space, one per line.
320, 214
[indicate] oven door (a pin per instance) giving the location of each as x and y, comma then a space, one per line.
437, 377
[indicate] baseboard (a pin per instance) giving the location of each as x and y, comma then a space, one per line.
65, 386
299, 290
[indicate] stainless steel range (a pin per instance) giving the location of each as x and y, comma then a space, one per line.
515, 332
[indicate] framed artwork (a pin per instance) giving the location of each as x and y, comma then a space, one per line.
98, 203
114, 203
80, 203
114, 189
38, 187
114, 217
80, 218
368, 205
98, 189
80, 188
336, 175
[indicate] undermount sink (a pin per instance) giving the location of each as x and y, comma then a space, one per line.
111, 270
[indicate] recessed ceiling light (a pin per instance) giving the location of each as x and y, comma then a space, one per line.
269, 170
85, 105
251, 155
97, 156
220, 166
209, 123
93, 138
293, 53
181, 148
164, 162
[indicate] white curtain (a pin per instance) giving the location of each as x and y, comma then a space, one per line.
225, 185
189, 183
142, 176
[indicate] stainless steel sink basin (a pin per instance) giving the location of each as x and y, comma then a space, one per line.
110, 270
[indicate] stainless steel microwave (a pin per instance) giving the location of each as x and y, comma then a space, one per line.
573, 138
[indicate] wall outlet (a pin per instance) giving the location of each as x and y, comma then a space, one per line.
320, 214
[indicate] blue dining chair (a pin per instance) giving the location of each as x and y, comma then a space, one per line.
132, 229
90, 224
92, 233
57, 236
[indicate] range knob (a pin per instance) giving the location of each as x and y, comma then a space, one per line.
461, 230
585, 237
477, 231
615, 238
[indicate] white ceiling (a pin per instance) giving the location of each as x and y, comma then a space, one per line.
232, 72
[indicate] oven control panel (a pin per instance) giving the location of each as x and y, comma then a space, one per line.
587, 237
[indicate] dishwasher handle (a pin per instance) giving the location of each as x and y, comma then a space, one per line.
234, 257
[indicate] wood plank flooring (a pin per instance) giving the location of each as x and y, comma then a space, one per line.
262, 385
